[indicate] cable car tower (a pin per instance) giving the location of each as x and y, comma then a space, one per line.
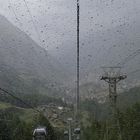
112, 75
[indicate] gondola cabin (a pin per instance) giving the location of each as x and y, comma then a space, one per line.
40, 134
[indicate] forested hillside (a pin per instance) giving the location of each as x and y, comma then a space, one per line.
128, 123
14, 127
128, 117
101, 110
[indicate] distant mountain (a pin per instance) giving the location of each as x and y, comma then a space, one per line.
124, 100
25, 66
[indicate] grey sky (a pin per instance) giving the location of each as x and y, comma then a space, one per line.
56, 23
56, 19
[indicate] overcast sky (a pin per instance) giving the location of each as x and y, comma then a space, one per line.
56, 19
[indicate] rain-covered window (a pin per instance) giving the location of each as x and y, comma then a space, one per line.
70, 69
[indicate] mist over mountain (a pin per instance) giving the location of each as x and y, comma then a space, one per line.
25, 66
98, 48
118, 46
109, 47
109, 32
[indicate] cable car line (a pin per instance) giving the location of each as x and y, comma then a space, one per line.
17, 98
133, 72
29, 12
35, 27
130, 57
12, 9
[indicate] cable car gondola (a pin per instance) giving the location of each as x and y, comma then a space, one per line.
40, 133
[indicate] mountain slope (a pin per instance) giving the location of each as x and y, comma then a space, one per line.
25, 66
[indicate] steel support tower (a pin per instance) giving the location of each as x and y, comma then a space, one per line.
112, 76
